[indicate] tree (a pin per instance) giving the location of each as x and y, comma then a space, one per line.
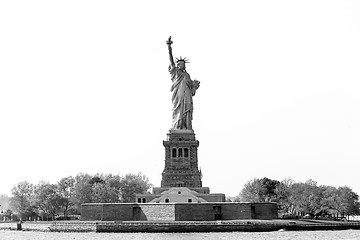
104, 193
132, 184
305, 197
4, 202
47, 199
66, 191
96, 179
259, 190
8, 214
82, 191
250, 191
349, 201
297, 198
330, 201
22, 199
106, 189
283, 193
340, 201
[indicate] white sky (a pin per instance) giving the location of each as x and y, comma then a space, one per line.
84, 87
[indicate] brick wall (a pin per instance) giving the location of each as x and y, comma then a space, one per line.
91, 211
265, 210
194, 212
236, 211
118, 212
225, 211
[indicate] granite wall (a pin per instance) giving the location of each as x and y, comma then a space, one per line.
177, 211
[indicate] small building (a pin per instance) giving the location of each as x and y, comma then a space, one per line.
180, 194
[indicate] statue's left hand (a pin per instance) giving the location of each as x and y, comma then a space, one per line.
196, 84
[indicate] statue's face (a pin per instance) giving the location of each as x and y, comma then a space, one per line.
181, 65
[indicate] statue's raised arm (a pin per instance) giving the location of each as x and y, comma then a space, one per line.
169, 42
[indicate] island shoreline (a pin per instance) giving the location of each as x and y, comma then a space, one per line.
181, 226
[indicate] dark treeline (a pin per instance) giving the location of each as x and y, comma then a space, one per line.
63, 199
46, 201
296, 199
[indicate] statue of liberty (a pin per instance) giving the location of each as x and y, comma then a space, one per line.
183, 89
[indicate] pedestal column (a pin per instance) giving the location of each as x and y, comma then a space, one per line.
181, 162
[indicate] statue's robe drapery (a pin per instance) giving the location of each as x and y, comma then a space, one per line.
182, 91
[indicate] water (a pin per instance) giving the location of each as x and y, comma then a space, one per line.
301, 235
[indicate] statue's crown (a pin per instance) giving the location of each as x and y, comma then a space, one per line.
182, 60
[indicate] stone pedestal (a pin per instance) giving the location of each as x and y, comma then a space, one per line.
181, 178
181, 162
